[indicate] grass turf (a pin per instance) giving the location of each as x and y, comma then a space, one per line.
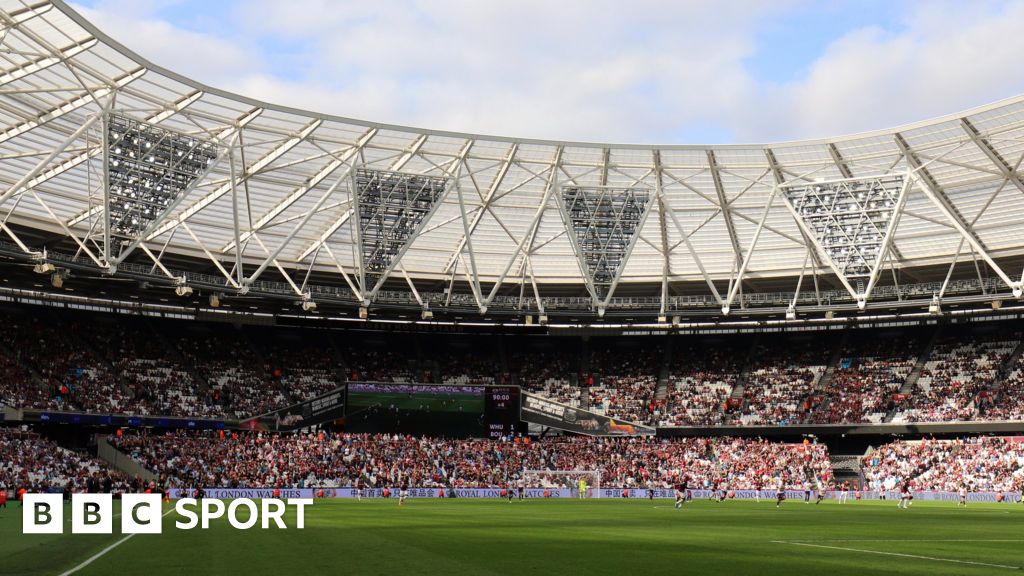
594, 537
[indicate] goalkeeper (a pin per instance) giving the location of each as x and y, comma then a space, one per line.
583, 488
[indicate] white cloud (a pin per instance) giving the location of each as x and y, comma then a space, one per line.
949, 57
645, 71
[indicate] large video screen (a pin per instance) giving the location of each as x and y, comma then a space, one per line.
416, 409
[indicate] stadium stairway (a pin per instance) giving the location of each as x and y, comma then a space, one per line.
908, 385
661, 390
741, 381
1005, 371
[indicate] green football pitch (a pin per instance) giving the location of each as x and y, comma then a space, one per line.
593, 537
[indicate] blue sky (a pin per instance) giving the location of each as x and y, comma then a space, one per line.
696, 71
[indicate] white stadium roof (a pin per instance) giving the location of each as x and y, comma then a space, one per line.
284, 179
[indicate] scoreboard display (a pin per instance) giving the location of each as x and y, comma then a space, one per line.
501, 410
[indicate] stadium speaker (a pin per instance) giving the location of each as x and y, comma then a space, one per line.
676, 321
308, 305
427, 315
183, 290
542, 319
791, 313
57, 280
997, 304
528, 319
934, 308
662, 319
214, 301
829, 315
44, 268
363, 312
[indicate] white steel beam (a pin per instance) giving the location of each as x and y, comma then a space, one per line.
70, 105
297, 194
249, 172
556, 162
326, 234
938, 197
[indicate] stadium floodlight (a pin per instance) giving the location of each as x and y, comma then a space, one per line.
790, 313
43, 268
149, 169
183, 290
934, 308
663, 319
542, 319
997, 304
215, 300
392, 208
604, 222
528, 320
426, 314
57, 280
308, 305
363, 312
852, 223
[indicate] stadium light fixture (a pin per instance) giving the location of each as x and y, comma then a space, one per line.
934, 308
528, 320
543, 319
44, 268
183, 290
791, 313
308, 305
214, 300
662, 319
57, 280
363, 312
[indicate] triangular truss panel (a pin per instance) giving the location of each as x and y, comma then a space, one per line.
851, 222
604, 223
149, 170
392, 209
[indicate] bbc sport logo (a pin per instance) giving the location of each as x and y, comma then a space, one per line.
142, 513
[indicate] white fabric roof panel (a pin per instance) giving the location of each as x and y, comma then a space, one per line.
285, 150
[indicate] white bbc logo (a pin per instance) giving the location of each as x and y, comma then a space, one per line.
91, 514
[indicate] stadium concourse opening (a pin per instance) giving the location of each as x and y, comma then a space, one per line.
465, 354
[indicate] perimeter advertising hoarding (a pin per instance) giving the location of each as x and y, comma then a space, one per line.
538, 410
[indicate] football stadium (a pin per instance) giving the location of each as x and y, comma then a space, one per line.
240, 337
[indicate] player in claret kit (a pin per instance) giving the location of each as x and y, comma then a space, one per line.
905, 496
681, 487
403, 493
359, 488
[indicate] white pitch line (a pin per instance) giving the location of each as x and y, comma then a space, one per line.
907, 540
898, 554
100, 554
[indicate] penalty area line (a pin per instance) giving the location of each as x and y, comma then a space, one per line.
103, 552
915, 556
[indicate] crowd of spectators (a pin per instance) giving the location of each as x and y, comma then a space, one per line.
32, 462
864, 385
781, 383
625, 383
191, 459
701, 379
956, 381
548, 373
977, 464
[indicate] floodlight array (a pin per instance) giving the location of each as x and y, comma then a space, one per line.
849, 219
392, 206
604, 221
148, 168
